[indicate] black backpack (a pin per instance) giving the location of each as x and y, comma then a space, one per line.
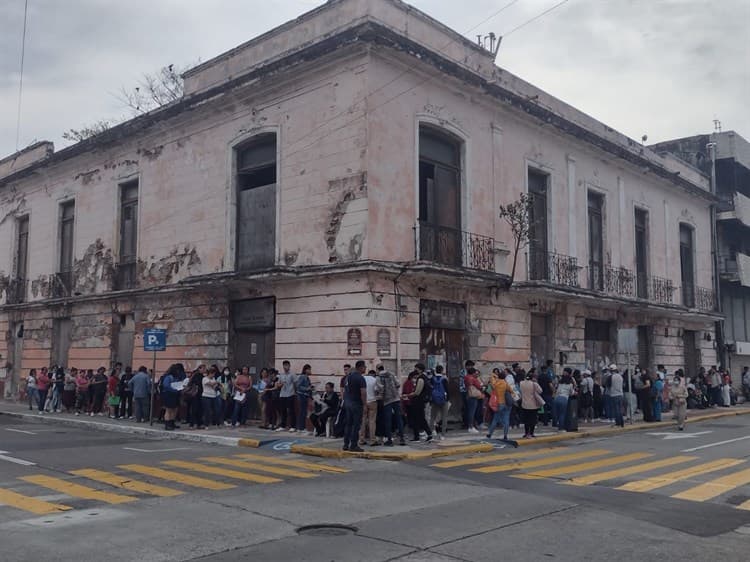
426, 394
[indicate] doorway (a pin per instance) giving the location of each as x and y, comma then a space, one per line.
690, 353
254, 334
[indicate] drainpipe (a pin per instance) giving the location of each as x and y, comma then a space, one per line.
719, 325
397, 310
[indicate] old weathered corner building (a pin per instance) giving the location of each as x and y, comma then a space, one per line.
328, 191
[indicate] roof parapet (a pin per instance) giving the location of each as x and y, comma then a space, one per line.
26, 157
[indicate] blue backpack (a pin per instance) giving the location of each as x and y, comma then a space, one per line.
438, 390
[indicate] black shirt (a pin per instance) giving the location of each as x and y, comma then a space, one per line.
353, 386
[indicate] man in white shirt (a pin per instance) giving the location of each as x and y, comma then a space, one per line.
369, 412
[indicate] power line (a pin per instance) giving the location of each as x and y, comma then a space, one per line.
20, 82
527, 22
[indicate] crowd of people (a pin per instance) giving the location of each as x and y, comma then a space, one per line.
372, 407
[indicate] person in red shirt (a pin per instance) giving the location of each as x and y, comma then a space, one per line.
42, 385
113, 393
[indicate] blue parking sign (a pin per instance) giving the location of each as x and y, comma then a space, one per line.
154, 339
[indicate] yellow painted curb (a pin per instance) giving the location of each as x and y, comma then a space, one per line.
616, 430
254, 443
443, 452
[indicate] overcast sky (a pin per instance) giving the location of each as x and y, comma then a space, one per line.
665, 68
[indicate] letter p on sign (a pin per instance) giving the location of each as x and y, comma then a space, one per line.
154, 340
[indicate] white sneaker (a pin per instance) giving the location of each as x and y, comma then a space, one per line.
441, 437
78, 414
279, 429
292, 430
473, 430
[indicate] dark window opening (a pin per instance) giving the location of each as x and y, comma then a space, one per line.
126, 268
687, 267
538, 258
65, 266
256, 203
596, 240
439, 197
17, 290
641, 252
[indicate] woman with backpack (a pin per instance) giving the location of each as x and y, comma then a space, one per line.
440, 404
417, 401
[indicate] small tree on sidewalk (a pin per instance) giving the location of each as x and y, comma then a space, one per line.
518, 215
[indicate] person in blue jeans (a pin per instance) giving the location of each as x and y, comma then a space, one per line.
304, 393
502, 414
565, 390
355, 397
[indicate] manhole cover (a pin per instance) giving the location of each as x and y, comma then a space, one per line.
327, 530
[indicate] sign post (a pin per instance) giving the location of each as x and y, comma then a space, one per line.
154, 339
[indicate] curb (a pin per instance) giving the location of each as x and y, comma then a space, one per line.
628, 428
443, 452
146, 431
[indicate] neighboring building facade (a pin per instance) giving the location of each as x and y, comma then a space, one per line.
730, 164
329, 191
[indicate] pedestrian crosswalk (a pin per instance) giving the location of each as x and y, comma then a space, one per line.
684, 477
128, 483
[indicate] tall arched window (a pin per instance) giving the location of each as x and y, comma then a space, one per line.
687, 264
439, 196
256, 203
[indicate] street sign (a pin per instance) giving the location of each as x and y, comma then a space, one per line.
154, 339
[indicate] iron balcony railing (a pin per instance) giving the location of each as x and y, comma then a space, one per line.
450, 246
705, 299
618, 281
62, 284
554, 268
125, 276
16, 291
660, 290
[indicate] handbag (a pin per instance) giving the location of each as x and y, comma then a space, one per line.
114, 401
493, 402
191, 391
474, 392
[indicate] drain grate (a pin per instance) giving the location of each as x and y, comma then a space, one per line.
326, 530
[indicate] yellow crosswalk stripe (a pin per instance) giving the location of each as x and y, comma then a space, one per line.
627, 471
76, 490
715, 487
33, 505
744, 505
126, 483
540, 462
256, 466
499, 457
177, 477
654, 482
223, 472
296, 464
582, 466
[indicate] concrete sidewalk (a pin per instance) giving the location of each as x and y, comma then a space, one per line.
456, 441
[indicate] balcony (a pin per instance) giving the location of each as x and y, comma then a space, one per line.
660, 290
557, 269
62, 284
735, 268
16, 291
125, 276
456, 248
698, 297
736, 208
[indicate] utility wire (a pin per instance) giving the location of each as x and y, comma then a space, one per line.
527, 22
20, 82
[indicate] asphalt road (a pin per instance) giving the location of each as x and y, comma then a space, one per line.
70, 494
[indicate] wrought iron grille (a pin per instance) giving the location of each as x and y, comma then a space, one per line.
705, 299
661, 290
619, 281
62, 284
16, 291
557, 269
450, 246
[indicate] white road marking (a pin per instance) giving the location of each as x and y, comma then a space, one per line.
671, 436
20, 431
715, 444
15, 460
156, 450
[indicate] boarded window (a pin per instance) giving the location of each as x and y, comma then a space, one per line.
538, 262
256, 203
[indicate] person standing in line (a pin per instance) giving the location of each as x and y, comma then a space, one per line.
369, 412
547, 382
139, 387
678, 394
531, 401
242, 383
474, 395
715, 387
69, 390
745, 380
170, 397
209, 393
32, 389
82, 392
726, 394
58, 386
260, 387
304, 389
565, 390
440, 404
388, 387
342, 382
647, 386
418, 400
193, 395
616, 395
355, 397
113, 394
42, 385
468, 364
587, 396
126, 396
286, 398
502, 394
657, 388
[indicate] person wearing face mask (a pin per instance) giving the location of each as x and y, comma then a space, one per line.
678, 394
